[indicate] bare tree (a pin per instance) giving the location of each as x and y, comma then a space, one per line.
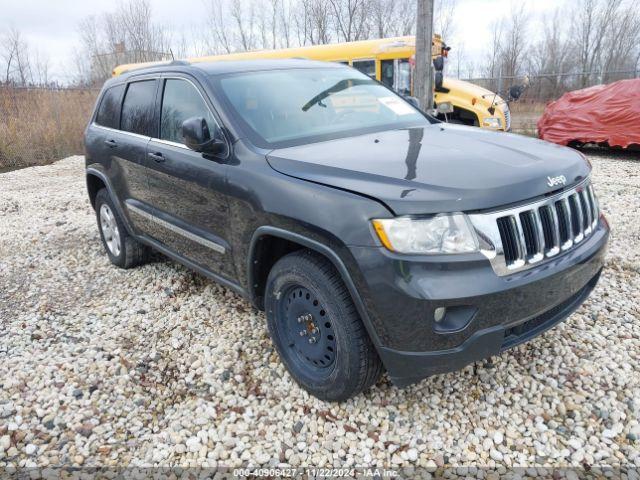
381, 13
126, 35
553, 55
8, 51
590, 29
459, 63
621, 43
316, 22
390, 18
350, 19
444, 12
218, 38
515, 40
41, 67
286, 21
273, 21
492, 63
16, 56
243, 16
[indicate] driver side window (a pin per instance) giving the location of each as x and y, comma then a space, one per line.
180, 101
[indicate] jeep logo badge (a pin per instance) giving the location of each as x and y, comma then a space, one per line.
559, 180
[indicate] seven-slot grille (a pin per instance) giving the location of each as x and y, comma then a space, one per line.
548, 228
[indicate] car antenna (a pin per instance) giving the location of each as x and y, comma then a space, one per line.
492, 108
172, 57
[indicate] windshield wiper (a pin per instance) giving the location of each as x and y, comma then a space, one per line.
338, 87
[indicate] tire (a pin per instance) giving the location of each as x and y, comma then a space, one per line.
316, 329
122, 249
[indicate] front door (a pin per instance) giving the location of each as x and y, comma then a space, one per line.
186, 191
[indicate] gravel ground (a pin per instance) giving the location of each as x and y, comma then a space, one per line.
159, 366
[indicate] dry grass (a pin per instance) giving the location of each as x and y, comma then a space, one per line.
38, 126
525, 115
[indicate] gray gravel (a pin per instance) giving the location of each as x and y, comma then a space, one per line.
159, 366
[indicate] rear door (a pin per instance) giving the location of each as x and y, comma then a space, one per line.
106, 120
186, 190
126, 145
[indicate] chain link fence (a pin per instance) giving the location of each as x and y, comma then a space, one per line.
41, 125
543, 88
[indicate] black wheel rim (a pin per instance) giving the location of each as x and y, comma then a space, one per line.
307, 329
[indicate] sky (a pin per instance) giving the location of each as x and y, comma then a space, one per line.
51, 26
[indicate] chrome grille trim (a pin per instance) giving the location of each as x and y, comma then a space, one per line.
540, 245
555, 231
571, 215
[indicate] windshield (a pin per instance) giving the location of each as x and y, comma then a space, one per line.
288, 106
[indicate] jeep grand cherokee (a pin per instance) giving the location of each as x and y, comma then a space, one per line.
373, 236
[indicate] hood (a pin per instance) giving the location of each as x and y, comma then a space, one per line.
466, 91
436, 168
469, 88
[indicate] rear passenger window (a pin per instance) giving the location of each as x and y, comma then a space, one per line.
180, 101
137, 109
109, 109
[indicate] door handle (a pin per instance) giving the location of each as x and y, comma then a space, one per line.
158, 157
111, 143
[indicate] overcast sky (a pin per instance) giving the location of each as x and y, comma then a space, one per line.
50, 26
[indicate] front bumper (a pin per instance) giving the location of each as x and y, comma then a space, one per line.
401, 295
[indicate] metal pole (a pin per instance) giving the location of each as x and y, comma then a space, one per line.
423, 79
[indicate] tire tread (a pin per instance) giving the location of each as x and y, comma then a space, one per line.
370, 368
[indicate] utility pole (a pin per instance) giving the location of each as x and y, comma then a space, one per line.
423, 78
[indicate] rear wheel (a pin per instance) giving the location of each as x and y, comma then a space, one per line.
122, 249
316, 328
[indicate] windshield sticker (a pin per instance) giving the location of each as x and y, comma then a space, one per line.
396, 105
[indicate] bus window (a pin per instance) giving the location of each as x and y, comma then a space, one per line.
368, 67
396, 74
403, 77
386, 72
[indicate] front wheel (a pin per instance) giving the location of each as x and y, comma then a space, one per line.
316, 328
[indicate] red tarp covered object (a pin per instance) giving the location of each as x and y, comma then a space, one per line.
604, 113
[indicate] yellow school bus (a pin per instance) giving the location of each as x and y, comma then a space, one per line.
390, 61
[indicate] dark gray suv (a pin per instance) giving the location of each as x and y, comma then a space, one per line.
373, 236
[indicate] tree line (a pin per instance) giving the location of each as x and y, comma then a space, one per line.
580, 43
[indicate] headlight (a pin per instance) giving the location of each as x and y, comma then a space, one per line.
440, 234
492, 122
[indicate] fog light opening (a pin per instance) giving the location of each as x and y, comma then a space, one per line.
453, 318
439, 313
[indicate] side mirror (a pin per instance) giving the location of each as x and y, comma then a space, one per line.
516, 91
445, 108
413, 101
438, 63
197, 136
439, 80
